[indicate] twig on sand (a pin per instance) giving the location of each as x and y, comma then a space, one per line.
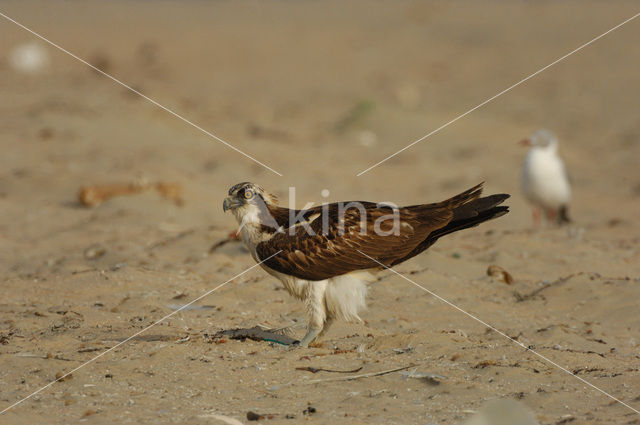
363, 375
46, 357
319, 369
524, 297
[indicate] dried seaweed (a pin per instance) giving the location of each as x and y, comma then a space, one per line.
256, 334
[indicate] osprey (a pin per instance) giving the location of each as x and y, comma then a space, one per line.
324, 255
544, 179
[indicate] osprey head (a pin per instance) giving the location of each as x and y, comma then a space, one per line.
244, 196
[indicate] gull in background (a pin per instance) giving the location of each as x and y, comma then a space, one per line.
544, 179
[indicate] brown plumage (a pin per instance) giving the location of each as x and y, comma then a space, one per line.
322, 255
312, 250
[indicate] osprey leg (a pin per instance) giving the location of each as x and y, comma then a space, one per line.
316, 309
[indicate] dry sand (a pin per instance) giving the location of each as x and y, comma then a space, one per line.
318, 91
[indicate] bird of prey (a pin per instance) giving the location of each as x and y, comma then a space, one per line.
544, 179
325, 255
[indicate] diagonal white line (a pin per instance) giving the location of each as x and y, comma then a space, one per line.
501, 333
135, 334
499, 94
175, 114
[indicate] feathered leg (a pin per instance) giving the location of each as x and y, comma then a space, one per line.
314, 301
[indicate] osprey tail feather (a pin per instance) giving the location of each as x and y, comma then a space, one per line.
469, 211
473, 213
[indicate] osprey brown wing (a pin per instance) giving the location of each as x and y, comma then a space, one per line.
318, 255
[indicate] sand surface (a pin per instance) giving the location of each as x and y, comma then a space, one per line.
319, 92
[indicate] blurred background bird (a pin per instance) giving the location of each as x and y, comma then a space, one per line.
544, 179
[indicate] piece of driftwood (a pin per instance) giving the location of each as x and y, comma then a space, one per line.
363, 375
94, 195
320, 369
257, 334
431, 378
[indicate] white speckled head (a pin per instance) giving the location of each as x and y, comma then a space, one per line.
544, 138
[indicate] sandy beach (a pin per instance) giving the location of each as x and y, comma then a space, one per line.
318, 92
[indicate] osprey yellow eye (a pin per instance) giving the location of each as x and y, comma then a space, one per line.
248, 194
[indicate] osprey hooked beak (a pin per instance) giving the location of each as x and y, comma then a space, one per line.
230, 203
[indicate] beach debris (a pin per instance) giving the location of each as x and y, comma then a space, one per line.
252, 416
502, 412
94, 195
363, 375
70, 320
256, 334
145, 338
5, 337
94, 252
170, 191
431, 378
545, 284
310, 410
226, 419
63, 376
47, 356
91, 349
89, 413
120, 303
182, 307
29, 58
185, 339
500, 274
485, 363
404, 350
320, 369
118, 266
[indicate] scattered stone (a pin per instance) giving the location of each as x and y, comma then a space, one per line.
309, 410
